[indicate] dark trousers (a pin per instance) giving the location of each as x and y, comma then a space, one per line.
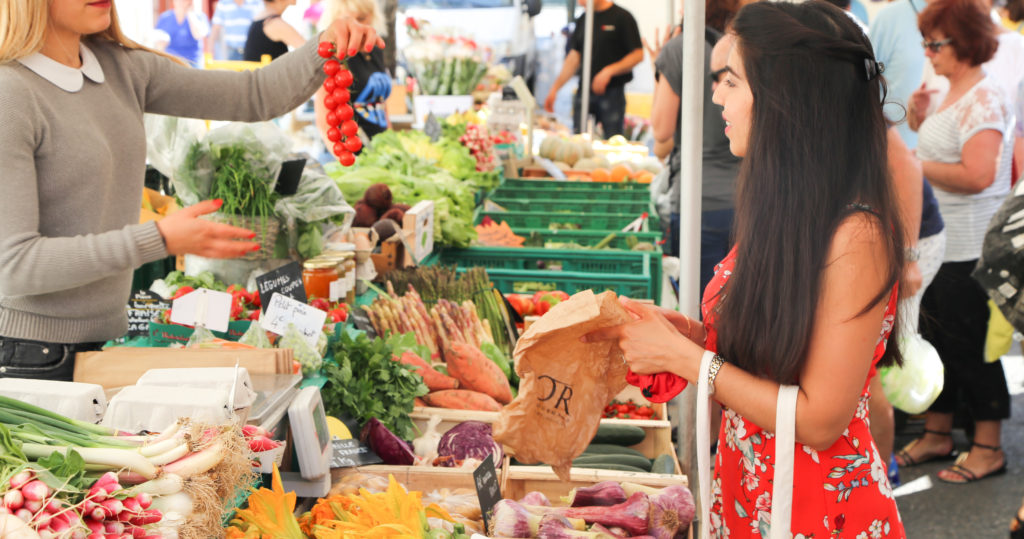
40, 360
715, 233
954, 319
609, 109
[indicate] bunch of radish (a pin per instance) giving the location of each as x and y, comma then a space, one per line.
343, 130
105, 513
481, 146
259, 439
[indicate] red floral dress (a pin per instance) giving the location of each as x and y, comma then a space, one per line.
842, 492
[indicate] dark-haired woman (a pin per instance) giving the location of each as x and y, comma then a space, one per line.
965, 149
808, 295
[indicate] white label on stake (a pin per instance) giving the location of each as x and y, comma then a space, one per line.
284, 310
203, 307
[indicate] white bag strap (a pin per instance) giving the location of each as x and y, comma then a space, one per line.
704, 443
785, 448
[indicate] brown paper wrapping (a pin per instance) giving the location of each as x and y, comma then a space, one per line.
565, 384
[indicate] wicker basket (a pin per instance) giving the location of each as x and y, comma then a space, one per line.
266, 229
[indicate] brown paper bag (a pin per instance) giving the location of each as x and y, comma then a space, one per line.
120, 367
565, 384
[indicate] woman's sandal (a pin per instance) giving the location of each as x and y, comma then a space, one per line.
969, 476
904, 454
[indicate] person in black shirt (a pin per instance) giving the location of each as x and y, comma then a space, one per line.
269, 34
617, 48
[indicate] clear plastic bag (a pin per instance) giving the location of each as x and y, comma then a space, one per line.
256, 336
914, 386
168, 138
316, 199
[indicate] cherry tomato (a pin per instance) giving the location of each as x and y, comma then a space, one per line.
325, 49
332, 67
343, 78
333, 134
344, 112
330, 103
339, 148
332, 118
353, 144
330, 85
346, 158
623, 408
342, 95
350, 128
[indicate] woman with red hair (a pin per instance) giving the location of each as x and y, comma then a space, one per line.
965, 148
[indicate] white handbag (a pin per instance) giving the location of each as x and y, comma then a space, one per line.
785, 448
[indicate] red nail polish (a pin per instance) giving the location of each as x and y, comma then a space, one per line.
254, 249
353, 51
252, 235
218, 202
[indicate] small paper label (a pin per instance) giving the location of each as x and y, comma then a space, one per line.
485, 477
203, 307
284, 310
337, 290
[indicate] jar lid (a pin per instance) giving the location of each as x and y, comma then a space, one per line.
338, 256
319, 264
340, 246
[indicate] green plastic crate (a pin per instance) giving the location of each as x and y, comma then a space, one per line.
563, 204
586, 221
569, 184
604, 195
526, 263
590, 238
530, 281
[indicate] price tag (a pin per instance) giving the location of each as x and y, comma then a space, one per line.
284, 310
350, 453
362, 322
286, 280
432, 127
143, 307
203, 307
485, 477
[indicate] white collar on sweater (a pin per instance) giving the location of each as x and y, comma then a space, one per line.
65, 77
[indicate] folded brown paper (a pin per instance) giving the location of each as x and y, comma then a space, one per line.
120, 367
565, 384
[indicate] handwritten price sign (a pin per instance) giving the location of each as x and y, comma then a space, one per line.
284, 310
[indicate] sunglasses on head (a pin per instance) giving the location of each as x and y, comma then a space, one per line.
716, 75
936, 46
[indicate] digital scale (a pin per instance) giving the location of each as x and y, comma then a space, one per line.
279, 396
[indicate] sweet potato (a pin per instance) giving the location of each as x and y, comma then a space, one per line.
462, 399
435, 381
419, 402
468, 365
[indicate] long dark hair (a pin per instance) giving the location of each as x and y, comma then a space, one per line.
817, 147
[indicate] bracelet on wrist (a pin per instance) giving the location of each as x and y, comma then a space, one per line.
716, 365
911, 254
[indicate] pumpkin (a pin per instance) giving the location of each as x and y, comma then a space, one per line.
600, 175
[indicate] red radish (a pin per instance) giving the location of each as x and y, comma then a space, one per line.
130, 478
149, 516
112, 507
35, 490
19, 479
95, 526
24, 514
138, 532
113, 526
88, 506
131, 505
54, 506
99, 514
33, 505
78, 534
109, 478
13, 500
42, 520
97, 493
260, 444
145, 500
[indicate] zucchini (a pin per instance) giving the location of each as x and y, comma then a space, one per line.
610, 449
664, 464
625, 460
616, 467
624, 435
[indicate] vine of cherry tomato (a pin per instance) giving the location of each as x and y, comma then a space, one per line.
343, 130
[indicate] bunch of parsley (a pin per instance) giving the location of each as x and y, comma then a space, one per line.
365, 383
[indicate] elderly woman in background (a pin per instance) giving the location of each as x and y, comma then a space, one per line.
965, 149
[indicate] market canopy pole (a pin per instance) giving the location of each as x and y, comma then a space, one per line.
691, 112
588, 59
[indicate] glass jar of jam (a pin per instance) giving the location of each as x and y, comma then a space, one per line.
317, 276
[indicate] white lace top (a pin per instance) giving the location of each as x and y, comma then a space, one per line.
942, 137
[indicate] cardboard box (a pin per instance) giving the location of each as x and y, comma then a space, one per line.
418, 227
391, 256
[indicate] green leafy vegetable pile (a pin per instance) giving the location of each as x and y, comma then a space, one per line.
365, 383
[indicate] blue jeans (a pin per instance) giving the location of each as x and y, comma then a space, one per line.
715, 233
609, 110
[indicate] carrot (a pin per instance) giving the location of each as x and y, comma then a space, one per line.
434, 380
419, 402
468, 365
462, 399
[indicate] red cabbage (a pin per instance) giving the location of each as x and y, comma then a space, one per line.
390, 448
469, 440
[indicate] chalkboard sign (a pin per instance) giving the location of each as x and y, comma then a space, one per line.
350, 453
362, 322
143, 307
432, 127
286, 280
485, 477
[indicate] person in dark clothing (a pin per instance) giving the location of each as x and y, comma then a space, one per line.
269, 34
617, 48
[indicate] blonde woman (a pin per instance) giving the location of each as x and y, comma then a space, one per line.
371, 82
73, 90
